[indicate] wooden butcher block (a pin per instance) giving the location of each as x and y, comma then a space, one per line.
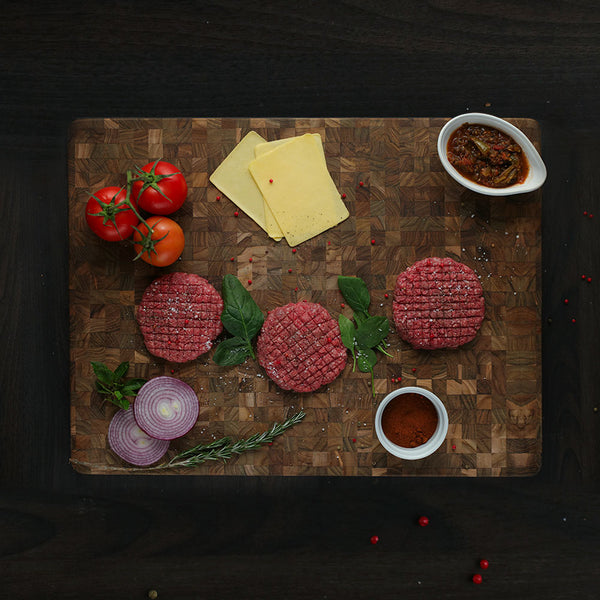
403, 207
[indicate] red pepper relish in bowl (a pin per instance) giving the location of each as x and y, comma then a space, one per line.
487, 156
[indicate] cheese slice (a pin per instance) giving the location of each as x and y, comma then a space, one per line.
296, 185
263, 148
260, 150
233, 178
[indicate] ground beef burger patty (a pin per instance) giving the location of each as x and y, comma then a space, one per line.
300, 347
180, 316
438, 303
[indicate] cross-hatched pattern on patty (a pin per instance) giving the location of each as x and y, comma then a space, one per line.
300, 347
180, 316
438, 303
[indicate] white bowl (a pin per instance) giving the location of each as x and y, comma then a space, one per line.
432, 444
537, 169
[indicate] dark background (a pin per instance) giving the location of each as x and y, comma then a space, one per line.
63, 535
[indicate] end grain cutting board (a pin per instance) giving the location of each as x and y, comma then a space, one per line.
407, 208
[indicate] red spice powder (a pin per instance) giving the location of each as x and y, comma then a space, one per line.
409, 420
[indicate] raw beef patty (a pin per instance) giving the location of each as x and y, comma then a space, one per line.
180, 316
438, 303
300, 347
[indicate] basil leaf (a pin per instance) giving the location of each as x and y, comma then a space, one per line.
372, 332
121, 370
120, 402
102, 388
135, 384
347, 331
241, 315
103, 373
366, 360
232, 351
355, 293
360, 317
129, 391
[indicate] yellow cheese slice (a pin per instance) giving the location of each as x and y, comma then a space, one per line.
263, 148
296, 185
233, 178
260, 150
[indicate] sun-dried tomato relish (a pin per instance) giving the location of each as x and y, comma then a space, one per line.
487, 156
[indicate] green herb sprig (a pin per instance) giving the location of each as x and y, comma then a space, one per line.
368, 332
225, 448
242, 318
114, 386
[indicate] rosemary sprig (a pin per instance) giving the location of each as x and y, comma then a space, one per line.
225, 448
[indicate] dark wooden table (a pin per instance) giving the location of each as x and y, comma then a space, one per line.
65, 535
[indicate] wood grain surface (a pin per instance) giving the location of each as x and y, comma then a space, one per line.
403, 207
68, 536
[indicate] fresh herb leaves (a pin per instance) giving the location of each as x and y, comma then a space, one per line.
225, 448
114, 386
369, 333
242, 318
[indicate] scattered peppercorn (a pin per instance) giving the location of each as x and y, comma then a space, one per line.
294, 250
343, 196
361, 183
484, 564
566, 301
414, 370
236, 214
343, 305
453, 446
374, 539
372, 242
423, 521
250, 259
477, 578
249, 281
386, 295
218, 198
270, 181
289, 270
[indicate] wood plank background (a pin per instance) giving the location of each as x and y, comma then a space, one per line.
408, 206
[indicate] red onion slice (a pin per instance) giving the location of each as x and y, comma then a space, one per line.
166, 408
132, 444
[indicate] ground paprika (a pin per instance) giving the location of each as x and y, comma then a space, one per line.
409, 420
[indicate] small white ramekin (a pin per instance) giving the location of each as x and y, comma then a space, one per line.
432, 444
537, 170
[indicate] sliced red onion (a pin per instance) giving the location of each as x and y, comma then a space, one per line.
166, 408
131, 443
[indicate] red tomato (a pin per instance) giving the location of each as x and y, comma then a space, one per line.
160, 188
108, 216
165, 245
